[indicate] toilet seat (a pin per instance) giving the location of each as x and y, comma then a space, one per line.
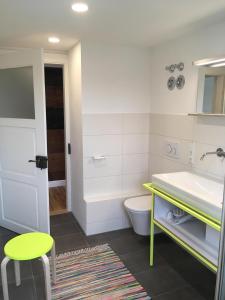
139, 204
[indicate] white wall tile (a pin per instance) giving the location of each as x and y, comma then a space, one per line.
111, 165
102, 145
159, 164
102, 186
125, 153
157, 147
155, 144
135, 143
102, 124
98, 211
177, 126
210, 130
117, 208
105, 226
135, 163
212, 165
105, 210
132, 184
135, 123
115, 78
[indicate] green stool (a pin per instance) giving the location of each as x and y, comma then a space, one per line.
29, 246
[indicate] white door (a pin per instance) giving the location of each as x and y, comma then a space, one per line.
24, 202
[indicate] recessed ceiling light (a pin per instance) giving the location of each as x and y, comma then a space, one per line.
80, 7
53, 40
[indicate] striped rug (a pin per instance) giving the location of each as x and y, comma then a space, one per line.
94, 273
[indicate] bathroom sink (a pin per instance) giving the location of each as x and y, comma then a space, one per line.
200, 192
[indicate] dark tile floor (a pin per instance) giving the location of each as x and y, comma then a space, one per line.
176, 275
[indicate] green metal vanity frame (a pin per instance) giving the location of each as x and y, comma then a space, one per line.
207, 219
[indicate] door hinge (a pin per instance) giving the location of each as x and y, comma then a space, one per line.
69, 148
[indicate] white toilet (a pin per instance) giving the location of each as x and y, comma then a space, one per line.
138, 209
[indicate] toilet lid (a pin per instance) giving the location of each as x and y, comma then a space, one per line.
142, 203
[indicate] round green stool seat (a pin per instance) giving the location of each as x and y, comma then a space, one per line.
29, 246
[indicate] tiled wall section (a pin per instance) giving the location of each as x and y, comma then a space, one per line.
123, 139
194, 135
133, 146
171, 128
209, 134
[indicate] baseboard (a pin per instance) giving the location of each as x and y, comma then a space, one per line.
56, 183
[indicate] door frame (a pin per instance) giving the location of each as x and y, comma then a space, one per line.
62, 60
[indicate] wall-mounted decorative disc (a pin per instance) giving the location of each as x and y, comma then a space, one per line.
180, 66
180, 82
171, 83
171, 68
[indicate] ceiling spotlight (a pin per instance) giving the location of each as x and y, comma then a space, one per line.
53, 40
80, 7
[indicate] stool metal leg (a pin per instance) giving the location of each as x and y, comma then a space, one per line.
4, 278
17, 272
53, 264
46, 267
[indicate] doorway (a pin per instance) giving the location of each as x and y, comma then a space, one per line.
54, 89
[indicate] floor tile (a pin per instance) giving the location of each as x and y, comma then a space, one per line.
109, 236
160, 279
25, 269
194, 273
5, 232
128, 244
63, 218
3, 240
64, 229
173, 267
40, 287
205, 289
26, 291
70, 242
37, 268
138, 261
186, 293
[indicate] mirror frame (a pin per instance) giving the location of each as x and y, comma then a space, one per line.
202, 65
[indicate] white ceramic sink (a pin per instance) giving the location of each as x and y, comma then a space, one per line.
202, 193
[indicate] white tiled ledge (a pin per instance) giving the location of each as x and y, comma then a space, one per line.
106, 197
106, 212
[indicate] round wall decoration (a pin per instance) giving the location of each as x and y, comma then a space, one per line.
180, 82
171, 83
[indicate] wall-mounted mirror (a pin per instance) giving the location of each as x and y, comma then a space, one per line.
211, 86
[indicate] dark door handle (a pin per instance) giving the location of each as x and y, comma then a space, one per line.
41, 162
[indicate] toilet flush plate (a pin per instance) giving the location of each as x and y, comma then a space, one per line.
171, 149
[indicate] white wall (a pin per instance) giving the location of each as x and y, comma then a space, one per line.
115, 118
75, 84
115, 93
169, 109
206, 43
115, 79
123, 139
109, 94
117, 88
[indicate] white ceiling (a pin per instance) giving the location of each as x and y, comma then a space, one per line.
28, 23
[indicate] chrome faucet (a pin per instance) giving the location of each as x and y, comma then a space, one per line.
219, 152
